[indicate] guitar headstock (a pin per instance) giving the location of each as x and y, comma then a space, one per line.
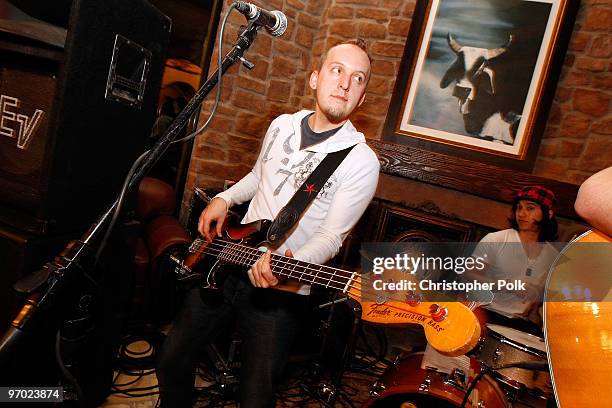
450, 327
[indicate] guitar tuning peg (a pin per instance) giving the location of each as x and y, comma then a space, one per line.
438, 313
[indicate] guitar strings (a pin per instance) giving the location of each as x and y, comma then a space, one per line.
254, 254
250, 255
239, 253
258, 253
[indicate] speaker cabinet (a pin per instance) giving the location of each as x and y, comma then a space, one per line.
75, 115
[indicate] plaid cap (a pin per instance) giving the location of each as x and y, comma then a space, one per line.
538, 194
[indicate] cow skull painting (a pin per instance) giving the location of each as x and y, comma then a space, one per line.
478, 78
476, 90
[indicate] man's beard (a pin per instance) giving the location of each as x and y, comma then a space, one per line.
335, 114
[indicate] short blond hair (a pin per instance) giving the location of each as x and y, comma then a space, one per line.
358, 42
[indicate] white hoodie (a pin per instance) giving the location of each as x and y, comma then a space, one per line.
282, 167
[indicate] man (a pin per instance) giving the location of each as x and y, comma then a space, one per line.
293, 146
523, 252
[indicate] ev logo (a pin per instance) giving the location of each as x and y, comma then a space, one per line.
17, 125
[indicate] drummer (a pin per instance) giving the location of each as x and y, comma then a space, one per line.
522, 252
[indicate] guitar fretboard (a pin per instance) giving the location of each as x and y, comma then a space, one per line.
304, 272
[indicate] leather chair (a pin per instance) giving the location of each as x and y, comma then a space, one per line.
161, 235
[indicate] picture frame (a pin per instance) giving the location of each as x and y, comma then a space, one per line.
478, 77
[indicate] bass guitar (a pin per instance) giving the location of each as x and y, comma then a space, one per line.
450, 327
578, 322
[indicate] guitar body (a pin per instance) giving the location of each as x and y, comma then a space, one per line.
202, 262
450, 327
578, 322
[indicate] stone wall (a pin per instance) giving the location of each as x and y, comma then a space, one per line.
576, 143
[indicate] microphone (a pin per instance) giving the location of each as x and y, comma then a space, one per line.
274, 21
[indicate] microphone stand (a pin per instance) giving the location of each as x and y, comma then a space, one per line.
57, 275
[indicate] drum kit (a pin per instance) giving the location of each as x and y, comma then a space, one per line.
418, 380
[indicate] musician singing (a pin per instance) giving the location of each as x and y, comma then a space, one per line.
293, 146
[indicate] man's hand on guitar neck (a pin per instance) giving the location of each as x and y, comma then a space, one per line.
215, 211
260, 274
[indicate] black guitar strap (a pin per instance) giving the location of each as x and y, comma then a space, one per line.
291, 212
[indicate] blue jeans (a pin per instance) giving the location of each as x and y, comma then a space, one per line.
267, 321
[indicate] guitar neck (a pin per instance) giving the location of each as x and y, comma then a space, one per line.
450, 327
283, 266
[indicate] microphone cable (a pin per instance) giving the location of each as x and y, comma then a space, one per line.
219, 81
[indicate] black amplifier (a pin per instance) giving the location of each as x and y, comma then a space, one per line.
76, 108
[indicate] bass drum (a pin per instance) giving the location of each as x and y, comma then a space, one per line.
406, 385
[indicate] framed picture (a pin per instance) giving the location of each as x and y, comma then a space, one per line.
478, 76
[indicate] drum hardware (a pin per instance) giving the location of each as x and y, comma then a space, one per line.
226, 382
527, 398
324, 392
514, 394
528, 365
472, 386
327, 392
424, 387
225, 368
477, 350
517, 361
518, 358
456, 378
407, 384
519, 392
497, 354
377, 388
